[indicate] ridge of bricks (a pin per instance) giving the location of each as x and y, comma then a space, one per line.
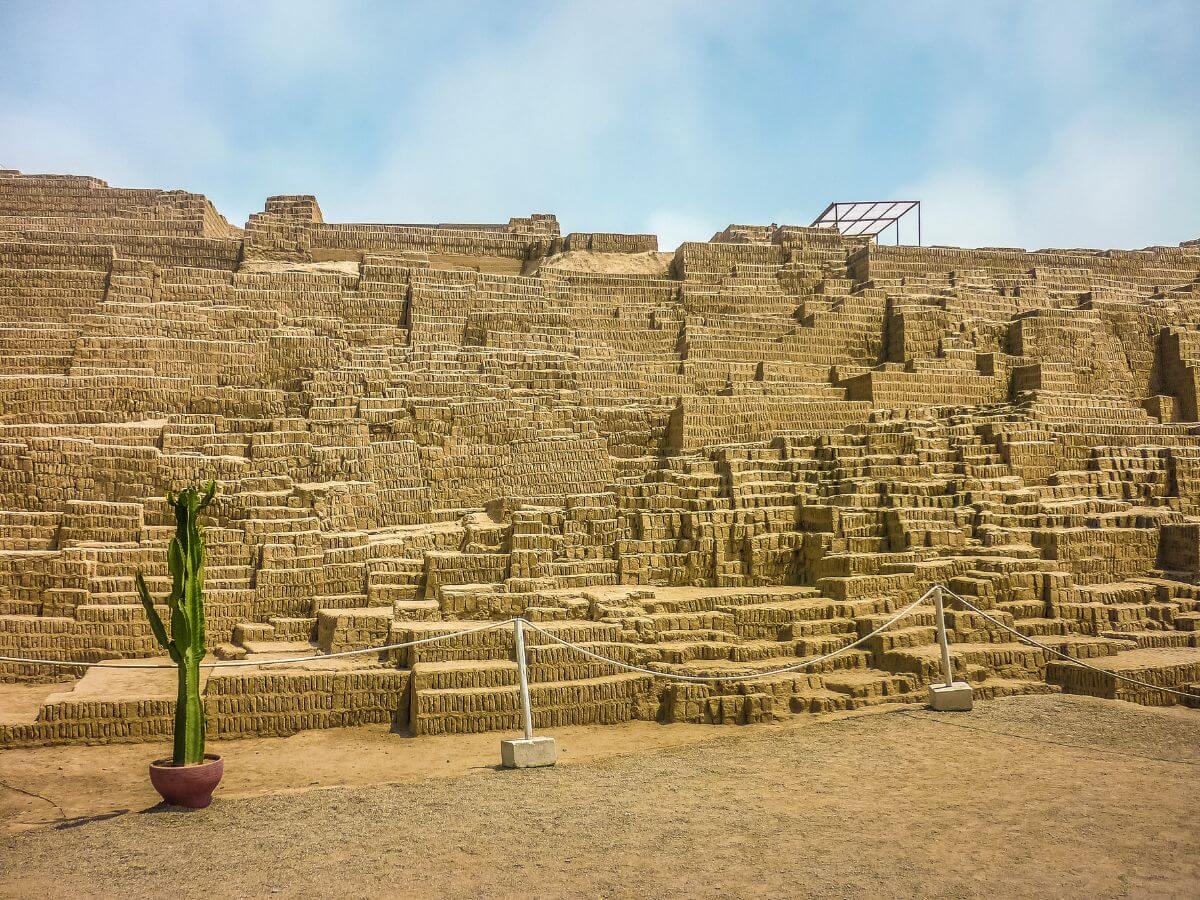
719, 460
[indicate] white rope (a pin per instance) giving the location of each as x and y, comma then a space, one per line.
1028, 640
229, 664
750, 677
614, 662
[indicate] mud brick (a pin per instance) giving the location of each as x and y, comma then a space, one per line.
720, 460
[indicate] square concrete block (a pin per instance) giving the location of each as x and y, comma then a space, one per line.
539, 751
955, 697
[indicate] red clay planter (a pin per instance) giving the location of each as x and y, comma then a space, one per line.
190, 786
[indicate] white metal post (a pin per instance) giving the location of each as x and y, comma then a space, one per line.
526, 713
947, 671
531, 752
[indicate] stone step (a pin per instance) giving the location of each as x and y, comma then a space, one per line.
777, 619
993, 688
594, 701
416, 610
726, 667
271, 648
339, 601
294, 628
667, 623
489, 644
1001, 659
354, 629
545, 664
682, 650
1156, 639
1171, 667
871, 686
896, 638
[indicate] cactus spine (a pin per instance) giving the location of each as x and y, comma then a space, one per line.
185, 559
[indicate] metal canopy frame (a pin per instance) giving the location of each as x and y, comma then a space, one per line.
869, 217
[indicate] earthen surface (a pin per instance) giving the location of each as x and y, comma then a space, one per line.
1023, 797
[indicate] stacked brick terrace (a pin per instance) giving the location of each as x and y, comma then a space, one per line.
717, 461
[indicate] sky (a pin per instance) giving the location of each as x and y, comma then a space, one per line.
1026, 124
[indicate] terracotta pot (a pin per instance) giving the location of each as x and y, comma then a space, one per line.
189, 786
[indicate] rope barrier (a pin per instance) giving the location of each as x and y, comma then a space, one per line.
750, 677
229, 664
1028, 640
657, 674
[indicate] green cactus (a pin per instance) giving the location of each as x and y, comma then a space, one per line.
185, 558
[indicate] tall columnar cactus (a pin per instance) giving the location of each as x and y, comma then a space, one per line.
185, 558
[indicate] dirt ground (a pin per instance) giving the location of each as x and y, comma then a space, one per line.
1022, 797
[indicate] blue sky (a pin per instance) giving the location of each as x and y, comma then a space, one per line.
1029, 124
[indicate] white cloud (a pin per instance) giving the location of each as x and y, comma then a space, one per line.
135, 107
50, 141
1106, 178
286, 39
673, 228
533, 117
964, 207
1018, 124
1076, 142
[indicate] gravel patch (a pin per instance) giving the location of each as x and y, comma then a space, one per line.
1024, 796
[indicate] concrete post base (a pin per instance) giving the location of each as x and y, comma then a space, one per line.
956, 697
538, 751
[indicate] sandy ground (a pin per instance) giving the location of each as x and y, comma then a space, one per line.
272, 266
1024, 796
657, 264
45, 786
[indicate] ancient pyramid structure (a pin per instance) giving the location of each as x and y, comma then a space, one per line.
714, 461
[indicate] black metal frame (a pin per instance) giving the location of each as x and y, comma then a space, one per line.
865, 217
